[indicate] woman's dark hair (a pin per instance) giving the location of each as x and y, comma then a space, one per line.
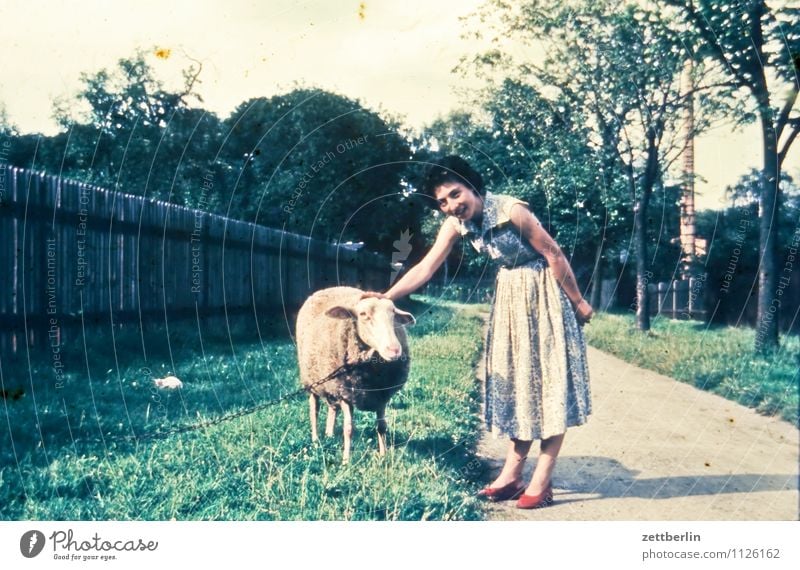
451, 169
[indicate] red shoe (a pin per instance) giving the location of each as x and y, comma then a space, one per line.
504, 493
544, 499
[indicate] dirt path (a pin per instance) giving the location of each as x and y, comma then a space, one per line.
657, 449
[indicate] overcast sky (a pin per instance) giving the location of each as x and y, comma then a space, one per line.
395, 56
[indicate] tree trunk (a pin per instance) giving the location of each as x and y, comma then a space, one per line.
642, 272
768, 302
597, 278
640, 221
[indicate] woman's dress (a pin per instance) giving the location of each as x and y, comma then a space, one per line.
537, 379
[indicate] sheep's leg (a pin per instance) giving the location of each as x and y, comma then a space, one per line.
330, 420
381, 417
347, 412
313, 408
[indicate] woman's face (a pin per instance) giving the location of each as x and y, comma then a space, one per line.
457, 200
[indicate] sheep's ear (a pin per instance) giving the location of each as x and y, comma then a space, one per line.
404, 318
340, 313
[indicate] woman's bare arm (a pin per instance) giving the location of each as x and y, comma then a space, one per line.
532, 230
421, 273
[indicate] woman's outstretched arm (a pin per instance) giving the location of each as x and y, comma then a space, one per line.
421, 273
532, 230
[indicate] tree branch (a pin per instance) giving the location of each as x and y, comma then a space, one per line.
787, 108
670, 157
702, 88
795, 124
191, 80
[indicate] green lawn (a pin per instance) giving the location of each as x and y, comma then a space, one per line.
717, 359
64, 455
54, 465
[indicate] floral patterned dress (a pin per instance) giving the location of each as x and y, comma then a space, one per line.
537, 379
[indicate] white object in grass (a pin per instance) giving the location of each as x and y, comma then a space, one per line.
168, 383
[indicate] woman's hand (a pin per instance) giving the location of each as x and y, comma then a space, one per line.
583, 311
376, 294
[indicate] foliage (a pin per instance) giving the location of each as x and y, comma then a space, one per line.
524, 145
318, 164
596, 123
309, 161
125, 131
732, 260
114, 100
7, 128
755, 45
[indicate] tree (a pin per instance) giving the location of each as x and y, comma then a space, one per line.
7, 128
319, 164
113, 101
756, 44
124, 130
619, 67
732, 261
310, 161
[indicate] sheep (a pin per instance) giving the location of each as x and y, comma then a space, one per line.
359, 343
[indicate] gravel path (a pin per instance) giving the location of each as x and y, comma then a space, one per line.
658, 449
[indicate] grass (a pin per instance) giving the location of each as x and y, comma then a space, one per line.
64, 456
717, 359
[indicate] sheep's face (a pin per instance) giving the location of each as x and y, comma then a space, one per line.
376, 320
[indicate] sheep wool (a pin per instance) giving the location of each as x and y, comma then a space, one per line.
360, 343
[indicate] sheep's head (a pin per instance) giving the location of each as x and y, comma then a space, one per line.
376, 320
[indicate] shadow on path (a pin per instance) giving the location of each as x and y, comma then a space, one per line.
605, 478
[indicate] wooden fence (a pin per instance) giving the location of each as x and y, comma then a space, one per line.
76, 254
679, 299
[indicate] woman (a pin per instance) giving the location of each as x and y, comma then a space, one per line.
537, 381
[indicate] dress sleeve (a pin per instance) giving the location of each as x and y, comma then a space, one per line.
504, 209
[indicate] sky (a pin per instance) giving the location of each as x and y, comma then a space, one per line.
393, 56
